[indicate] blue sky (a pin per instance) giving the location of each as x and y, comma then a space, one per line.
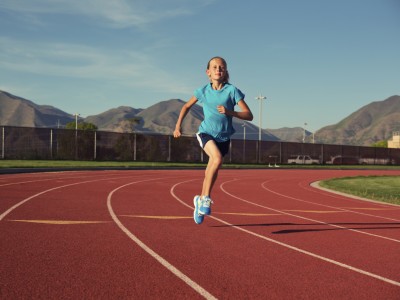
316, 61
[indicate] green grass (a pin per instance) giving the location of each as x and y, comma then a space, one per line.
380, 188
87, 164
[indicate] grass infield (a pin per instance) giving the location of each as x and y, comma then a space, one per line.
380, 188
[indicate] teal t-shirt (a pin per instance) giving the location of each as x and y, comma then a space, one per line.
218, 125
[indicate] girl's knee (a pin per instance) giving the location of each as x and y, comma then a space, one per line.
216, 160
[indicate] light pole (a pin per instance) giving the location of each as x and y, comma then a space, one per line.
304, 132
260, 98
76, 121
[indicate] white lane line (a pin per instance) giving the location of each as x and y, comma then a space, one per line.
195, 286
384, 279
333, 225
387, 280
55, 178
4, 214
304, 218
324, 205
38, 180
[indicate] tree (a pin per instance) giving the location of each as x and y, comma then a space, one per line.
380, 144
81, 126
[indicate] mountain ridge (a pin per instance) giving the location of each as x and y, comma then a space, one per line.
371, 123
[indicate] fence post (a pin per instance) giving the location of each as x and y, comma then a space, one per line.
134, 147
244, 149
230, 151
169, 148
322, 155
95, 146
257, 151
2, 143
51, 143
76, 144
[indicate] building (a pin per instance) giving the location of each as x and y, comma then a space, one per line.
395, 141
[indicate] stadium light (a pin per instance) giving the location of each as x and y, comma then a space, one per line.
260, 98
76, 121
304, 132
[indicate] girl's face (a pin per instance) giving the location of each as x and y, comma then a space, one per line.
217, 70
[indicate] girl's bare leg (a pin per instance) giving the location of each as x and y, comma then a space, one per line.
214, 163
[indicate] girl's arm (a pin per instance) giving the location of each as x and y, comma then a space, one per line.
185, 109
244, 114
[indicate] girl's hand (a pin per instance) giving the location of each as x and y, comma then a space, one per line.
222, 110
177, 133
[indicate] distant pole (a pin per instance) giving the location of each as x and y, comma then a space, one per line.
76, 121
304, 132
260, 98
2, 143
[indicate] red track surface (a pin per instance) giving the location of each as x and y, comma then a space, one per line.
130, 234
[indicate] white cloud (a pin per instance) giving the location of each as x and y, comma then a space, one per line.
121, 67
125, 68
116, 13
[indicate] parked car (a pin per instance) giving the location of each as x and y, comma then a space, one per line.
303, 160
376, 161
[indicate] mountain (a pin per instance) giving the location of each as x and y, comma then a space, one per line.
158, 118
17, 111
295, 134
161, 118
115, 119
372, 123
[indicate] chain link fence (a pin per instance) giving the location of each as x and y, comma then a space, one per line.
69, 144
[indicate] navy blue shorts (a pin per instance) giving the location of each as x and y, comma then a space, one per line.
203, 138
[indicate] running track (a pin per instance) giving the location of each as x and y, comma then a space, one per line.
130, 235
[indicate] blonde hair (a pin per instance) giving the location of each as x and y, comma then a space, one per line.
226, 79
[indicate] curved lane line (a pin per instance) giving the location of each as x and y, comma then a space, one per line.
46, 179
60, 222
304, 218
157, 217
151, 252
384, 279
316, 188
4, 214
324, 205
321, 222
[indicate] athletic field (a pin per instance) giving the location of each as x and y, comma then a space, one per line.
131, 235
